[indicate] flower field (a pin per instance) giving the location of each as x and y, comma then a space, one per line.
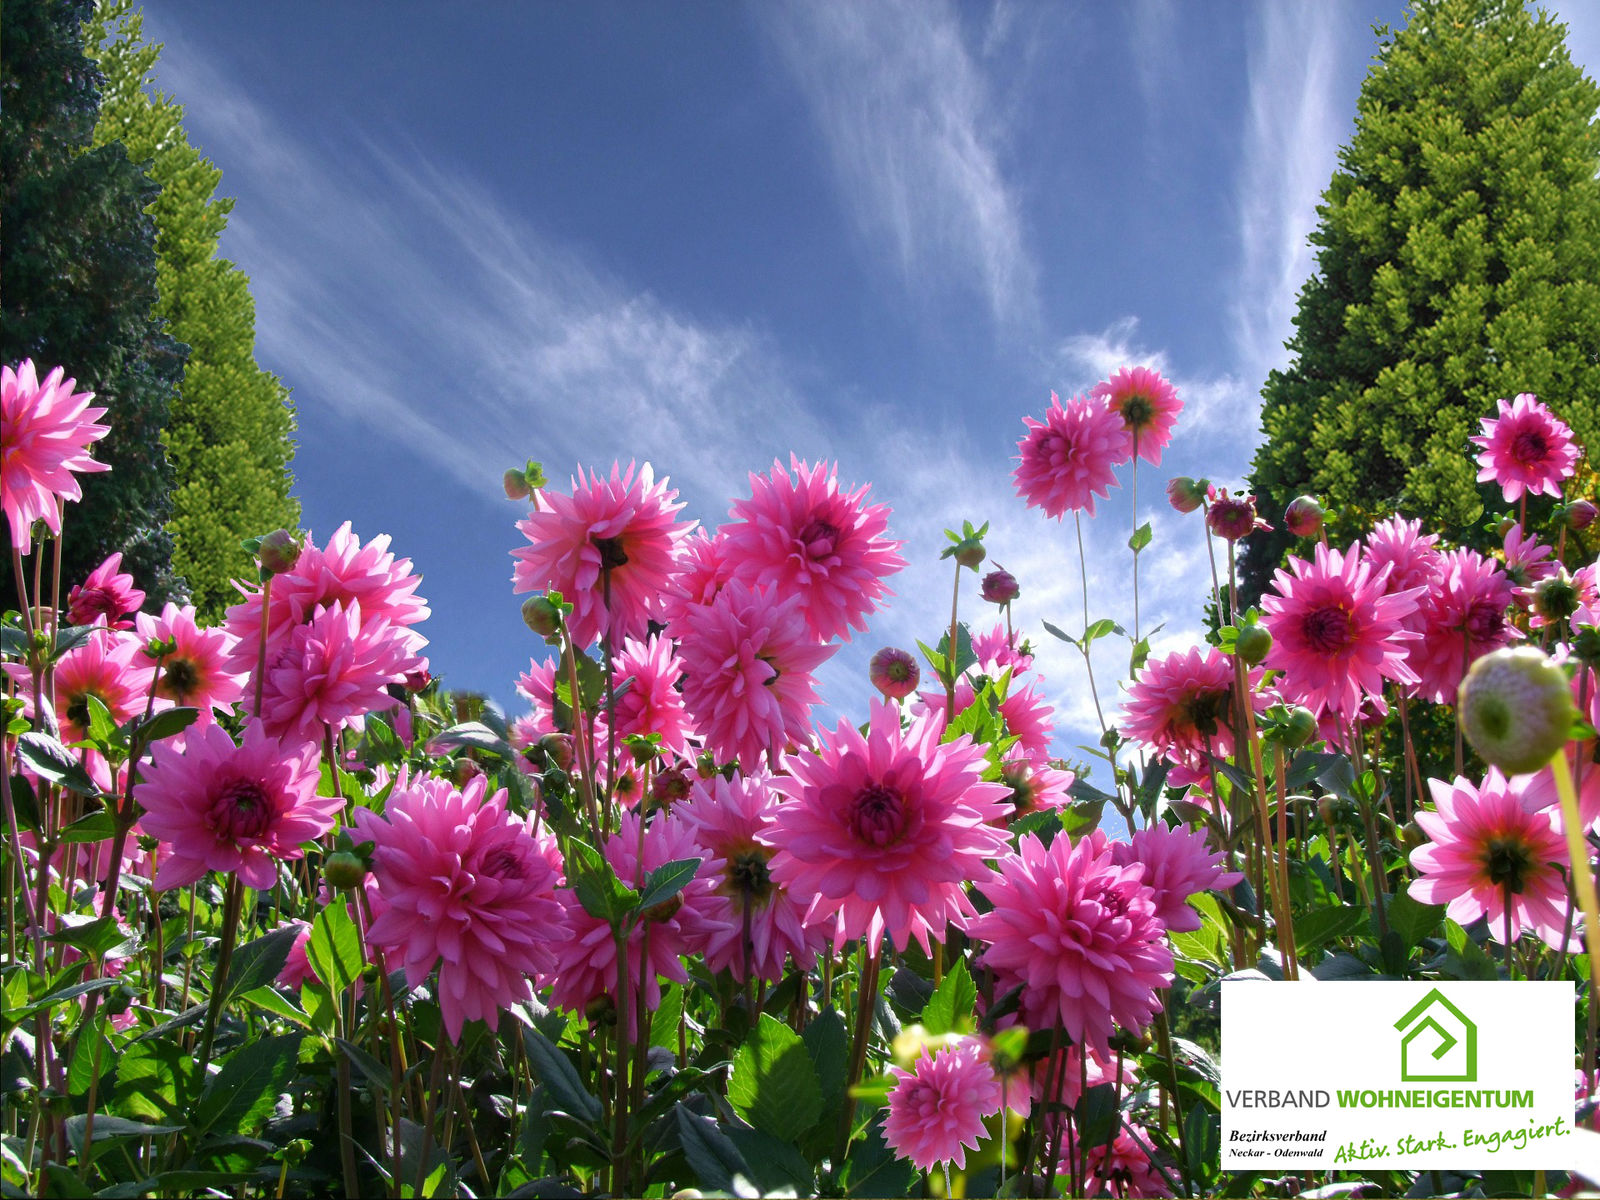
284, 917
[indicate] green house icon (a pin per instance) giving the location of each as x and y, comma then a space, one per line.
1430, 1030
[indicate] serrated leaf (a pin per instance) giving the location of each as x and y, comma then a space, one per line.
664, 1021
1318, 928
334, 948
102, 729
1413, 920
828, 1044
155, 1081
166, 723
712, 1156
872, 1169
47, 758
94, 827
560, 1078
71, 637
244, 1092
774, 1085
258, 963
603, 896
950, 1009
666, 881
1141, 538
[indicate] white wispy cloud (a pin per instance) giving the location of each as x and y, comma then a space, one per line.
915, 142
1294, 125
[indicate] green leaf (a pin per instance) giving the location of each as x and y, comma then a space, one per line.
244, 1092
107, 1127
475, 734
102, 729
827, 1042
94, 936
1141, 538
91, 1056
47, 758
70, 638
872, 1169
155, 1081
664, 1021
165, 724
938, 661
777, 1166
666, 881
257, 964
1413, 920
334, 948
712, 1156
95, 827
603, 896
1098, 630
378, 1075
271, 1000
1318, 928
555, 1071
950, 1010
774, 1085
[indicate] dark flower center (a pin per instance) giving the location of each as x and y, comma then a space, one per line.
1199, 711
77, 709
749, 877
1137, 412
612, 552
92, 602
1508, 863
178, 678
502, 863
1485, 621
241, 809
1329, 629
1529, 447
877, 814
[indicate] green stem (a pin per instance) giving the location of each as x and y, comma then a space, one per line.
866, 1001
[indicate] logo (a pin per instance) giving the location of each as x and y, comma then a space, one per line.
1431, 1030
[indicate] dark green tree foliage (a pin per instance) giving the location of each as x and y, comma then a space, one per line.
228, 437
1458, 263
77, 256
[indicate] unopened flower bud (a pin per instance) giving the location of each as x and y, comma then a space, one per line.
671, 787
1253, 643
418, 680
1185, 494
1303, 517
1000, 586
280, 551
1507, 524
1516, 709
666, 910
969, 552
894, 673
516, 484
1233, 517
602, 1010
542, 616
1581, 514
1300, 728
464, 770
344, 870
558, 749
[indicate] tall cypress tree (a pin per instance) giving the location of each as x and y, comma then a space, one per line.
1458, 262
228, 435
77, 257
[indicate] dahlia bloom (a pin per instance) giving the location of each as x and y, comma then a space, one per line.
1028, 716
1527, 448
196, 673
1068, 459
107, 666
1181, 705
1033, 787
801, 534
232, 809
1148, 407
1336, 634
727, 817
1080, 933
538, 686
698, 573
45, 432
345, 572
997, 651
937, 1109
747, 660
1123, 1168
297, 967
107, 593
333, 672
894, 672
587, 967
1411, 556
622, 528
1493, 850
466, 886
1526, 558
1177, 864
884, 831
651, 703
1232, 517
1463, 618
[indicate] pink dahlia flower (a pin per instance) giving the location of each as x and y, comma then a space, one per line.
1494, 853
747, 660
1033, 787
1148, 406
1124, 1168
1068, 459
698, 573
650, 702
538, 685
883, 832
107, 666
997, 651
1181, 705
587, 970
106, 593
801, 534
45, 432
1028, 716
297, 967
345, 573
937, 1109
333, 672
1411, 556
1528, 560
1177, 864
1463, 618
727, 817
232, 809
1081, 935
1232, 517
1527, 448
197, 672
466, 886
1336, 634
622, 528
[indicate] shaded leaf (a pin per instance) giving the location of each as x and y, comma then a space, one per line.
774, 1085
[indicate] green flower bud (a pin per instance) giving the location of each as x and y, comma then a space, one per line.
1253, 643
1515, 707
344, 870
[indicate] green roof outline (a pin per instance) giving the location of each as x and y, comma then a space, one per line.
1470, 1073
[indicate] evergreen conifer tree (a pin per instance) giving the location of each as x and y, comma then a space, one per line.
1458, 262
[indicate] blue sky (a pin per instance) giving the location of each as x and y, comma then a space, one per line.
709, 234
